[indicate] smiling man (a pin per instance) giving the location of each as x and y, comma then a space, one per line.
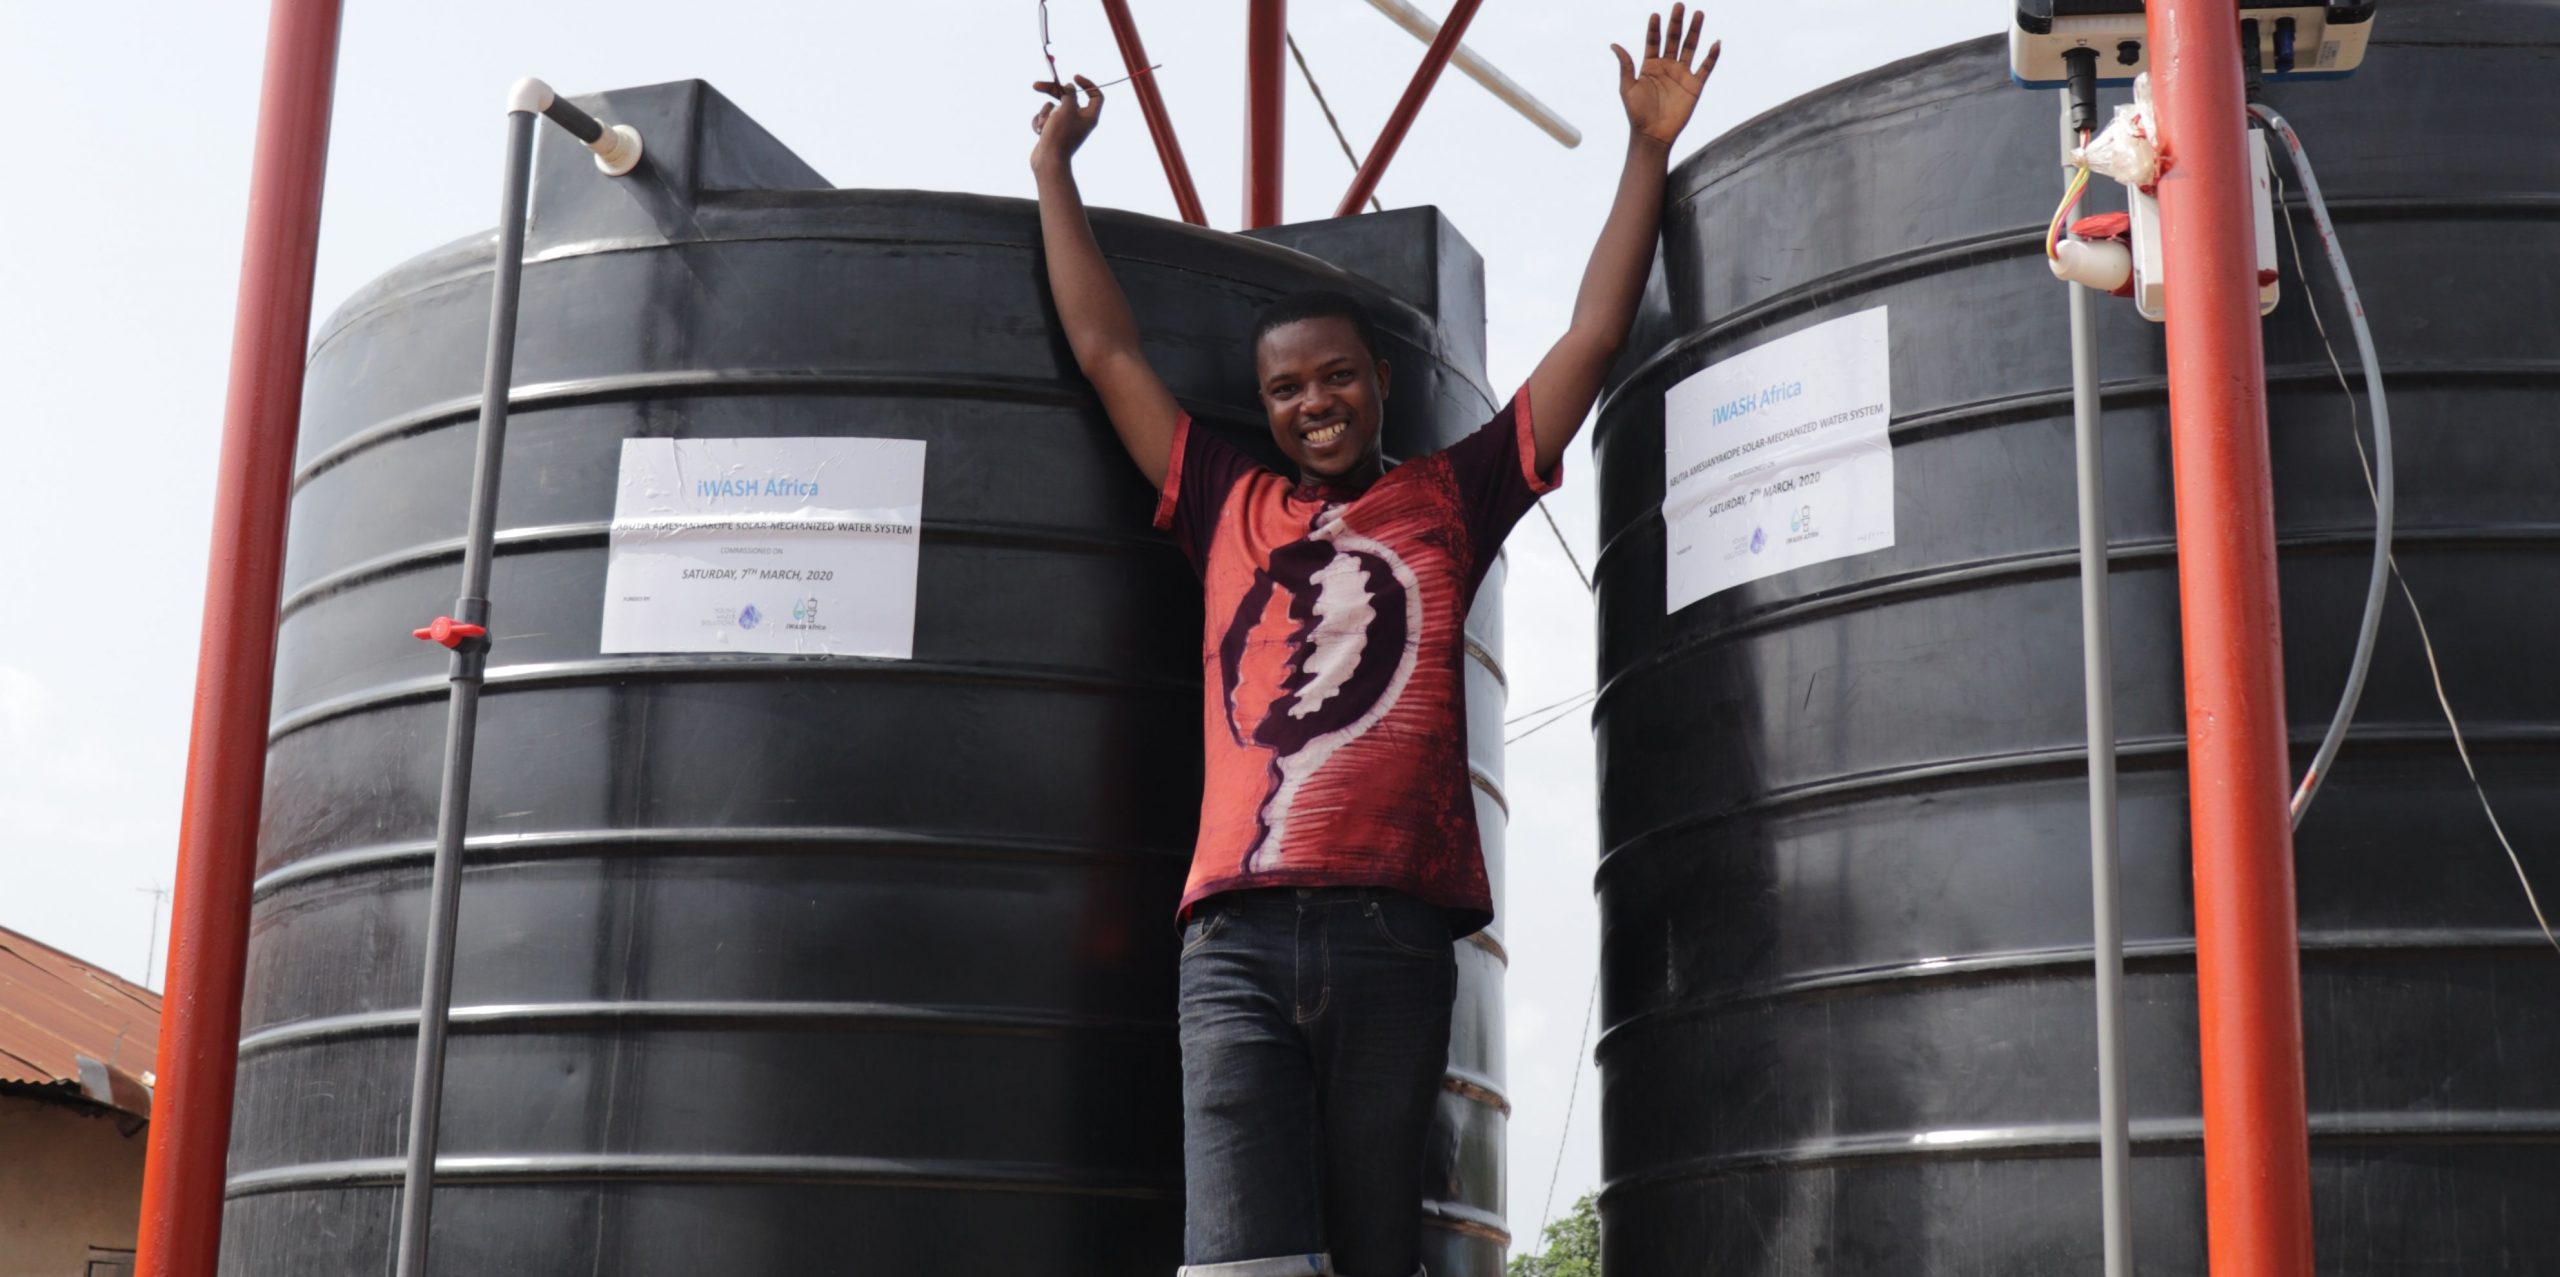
1337, 860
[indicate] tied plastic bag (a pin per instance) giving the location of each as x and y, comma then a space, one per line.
2129, 149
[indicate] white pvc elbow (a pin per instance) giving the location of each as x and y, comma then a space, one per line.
617, 148
529, 94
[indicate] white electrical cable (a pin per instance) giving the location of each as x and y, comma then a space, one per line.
1525, 715
1581, 1052
2426, 641
1376, 205
2378, 585
1567, 546
1577, 700
1578, 703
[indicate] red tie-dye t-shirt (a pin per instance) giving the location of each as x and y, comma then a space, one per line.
1335, 713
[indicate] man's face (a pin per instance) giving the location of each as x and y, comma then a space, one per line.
1325, 394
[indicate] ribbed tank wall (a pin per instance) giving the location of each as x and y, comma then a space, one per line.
1844, 886
773, 964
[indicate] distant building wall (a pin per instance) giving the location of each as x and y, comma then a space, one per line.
69, 1181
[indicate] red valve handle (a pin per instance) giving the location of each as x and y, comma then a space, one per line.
450, 632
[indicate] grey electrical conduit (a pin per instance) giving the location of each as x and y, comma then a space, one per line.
2377, 591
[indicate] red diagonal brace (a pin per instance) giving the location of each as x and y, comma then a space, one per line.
1434, 60
1142, 82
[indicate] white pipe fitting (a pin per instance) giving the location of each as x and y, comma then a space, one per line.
530, 94
2102, 264
617, 149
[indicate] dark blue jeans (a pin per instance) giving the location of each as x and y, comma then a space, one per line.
1315, 1029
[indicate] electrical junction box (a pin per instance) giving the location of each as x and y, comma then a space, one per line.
2150, 288
2295, 41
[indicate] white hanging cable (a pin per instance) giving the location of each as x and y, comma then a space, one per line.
1569, 555
1570, 703
1570, 707
1526, 715
1312, 87
2426, 641
1581, 1052
2435, 673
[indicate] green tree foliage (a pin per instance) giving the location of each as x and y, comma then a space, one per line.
1572, 1245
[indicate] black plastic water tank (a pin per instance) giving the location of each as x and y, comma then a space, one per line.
1844, 883
781, 964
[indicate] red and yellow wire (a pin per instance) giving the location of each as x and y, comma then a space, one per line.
2062, 216
2071, 194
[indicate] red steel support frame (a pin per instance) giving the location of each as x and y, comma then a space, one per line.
1133, 54
1266, 101
2257, 1154
1434, 60
182, 1183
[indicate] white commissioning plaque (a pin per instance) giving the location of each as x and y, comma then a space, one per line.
765, 545
1778, 458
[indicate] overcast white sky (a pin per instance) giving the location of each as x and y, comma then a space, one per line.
119, 253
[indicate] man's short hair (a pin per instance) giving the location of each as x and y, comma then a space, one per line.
1318, 303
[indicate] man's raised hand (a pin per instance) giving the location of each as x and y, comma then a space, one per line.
1661, 93
1063, 124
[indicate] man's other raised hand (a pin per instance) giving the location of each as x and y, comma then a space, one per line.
1064, 124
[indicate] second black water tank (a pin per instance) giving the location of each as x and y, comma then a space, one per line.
1844, 882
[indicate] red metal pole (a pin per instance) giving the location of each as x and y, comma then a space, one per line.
1434, 59
1133, 54
2257, 1156
1266, 100
182, 1182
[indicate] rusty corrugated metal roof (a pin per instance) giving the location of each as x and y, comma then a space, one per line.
54, 1009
